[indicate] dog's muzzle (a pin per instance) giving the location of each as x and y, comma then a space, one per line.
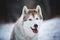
35, 28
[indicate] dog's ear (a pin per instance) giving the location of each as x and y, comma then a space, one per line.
24, 11
38, 8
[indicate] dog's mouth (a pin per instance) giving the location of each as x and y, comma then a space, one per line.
34, 30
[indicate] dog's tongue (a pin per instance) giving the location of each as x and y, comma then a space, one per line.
35, 30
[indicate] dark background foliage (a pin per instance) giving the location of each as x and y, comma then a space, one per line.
10, 10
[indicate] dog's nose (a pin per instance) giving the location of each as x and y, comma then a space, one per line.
35, 25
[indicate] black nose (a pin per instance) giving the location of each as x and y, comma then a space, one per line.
35, 25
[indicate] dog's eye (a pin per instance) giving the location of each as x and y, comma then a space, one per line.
30, 19
36, 18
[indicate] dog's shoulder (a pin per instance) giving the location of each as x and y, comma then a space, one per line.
12, 37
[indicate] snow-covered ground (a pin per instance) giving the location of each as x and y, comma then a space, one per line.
50, 30
5, 31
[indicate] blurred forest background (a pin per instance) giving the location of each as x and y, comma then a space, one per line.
10, 10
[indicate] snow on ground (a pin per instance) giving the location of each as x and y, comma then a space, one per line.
5, 31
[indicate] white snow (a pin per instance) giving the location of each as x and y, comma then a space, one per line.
50, 30
5, 31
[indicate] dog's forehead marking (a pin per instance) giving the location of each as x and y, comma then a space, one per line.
32, 12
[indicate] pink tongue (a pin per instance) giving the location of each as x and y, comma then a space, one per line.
35, 30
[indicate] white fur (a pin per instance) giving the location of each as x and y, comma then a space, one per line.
22, 29
38, 8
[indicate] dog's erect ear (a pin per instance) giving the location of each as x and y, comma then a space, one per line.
38, 8
24, 11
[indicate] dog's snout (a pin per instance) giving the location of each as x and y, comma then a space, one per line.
35, 25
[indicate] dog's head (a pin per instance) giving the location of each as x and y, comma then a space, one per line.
32, 20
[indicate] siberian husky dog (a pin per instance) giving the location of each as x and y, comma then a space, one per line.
26, 27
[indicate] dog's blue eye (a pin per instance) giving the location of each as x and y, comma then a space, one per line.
36, 18
30, 19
